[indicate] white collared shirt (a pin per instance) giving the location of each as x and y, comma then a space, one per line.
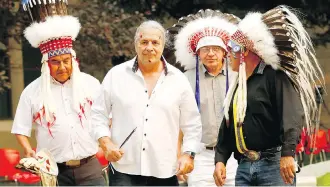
212, 95
71, 138
152, 149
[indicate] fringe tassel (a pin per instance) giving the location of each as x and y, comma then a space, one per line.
47, 95
241, 91
197, 91
30, 3
229, 97
227, 75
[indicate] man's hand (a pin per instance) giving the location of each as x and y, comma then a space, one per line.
111, 151
287, 167
28, 153
185, 165
25, 143
110, 123
219, 174
182, 178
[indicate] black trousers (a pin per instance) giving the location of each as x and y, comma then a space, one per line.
122, 179
88, 174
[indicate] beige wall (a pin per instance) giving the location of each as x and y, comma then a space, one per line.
8, 140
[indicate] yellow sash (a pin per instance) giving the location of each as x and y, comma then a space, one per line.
240, 143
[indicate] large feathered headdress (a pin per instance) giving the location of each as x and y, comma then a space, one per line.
206, 28
280, 40
53, 32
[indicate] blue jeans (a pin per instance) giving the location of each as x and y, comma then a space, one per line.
264, 172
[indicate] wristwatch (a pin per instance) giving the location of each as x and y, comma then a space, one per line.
191, 154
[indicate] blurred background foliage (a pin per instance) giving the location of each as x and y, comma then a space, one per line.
108, 26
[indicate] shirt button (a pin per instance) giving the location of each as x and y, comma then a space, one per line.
147, 105
144, 149
146, 91
146, 119
145, 134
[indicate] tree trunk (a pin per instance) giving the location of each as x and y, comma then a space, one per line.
16, 62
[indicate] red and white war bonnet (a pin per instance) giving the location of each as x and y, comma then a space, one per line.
205, 28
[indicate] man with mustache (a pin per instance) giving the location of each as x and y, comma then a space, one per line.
154, 98
59, 101
207, 38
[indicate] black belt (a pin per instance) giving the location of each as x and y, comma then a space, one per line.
262, 154
76, 163
210, 148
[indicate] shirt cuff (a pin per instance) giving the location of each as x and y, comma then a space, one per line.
192, 146
22, 131
219, 158
288, 150
102, 133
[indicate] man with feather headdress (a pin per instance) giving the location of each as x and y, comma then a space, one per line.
201, 49
265, 106
59, 101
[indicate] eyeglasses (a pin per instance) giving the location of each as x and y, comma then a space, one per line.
208, 49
